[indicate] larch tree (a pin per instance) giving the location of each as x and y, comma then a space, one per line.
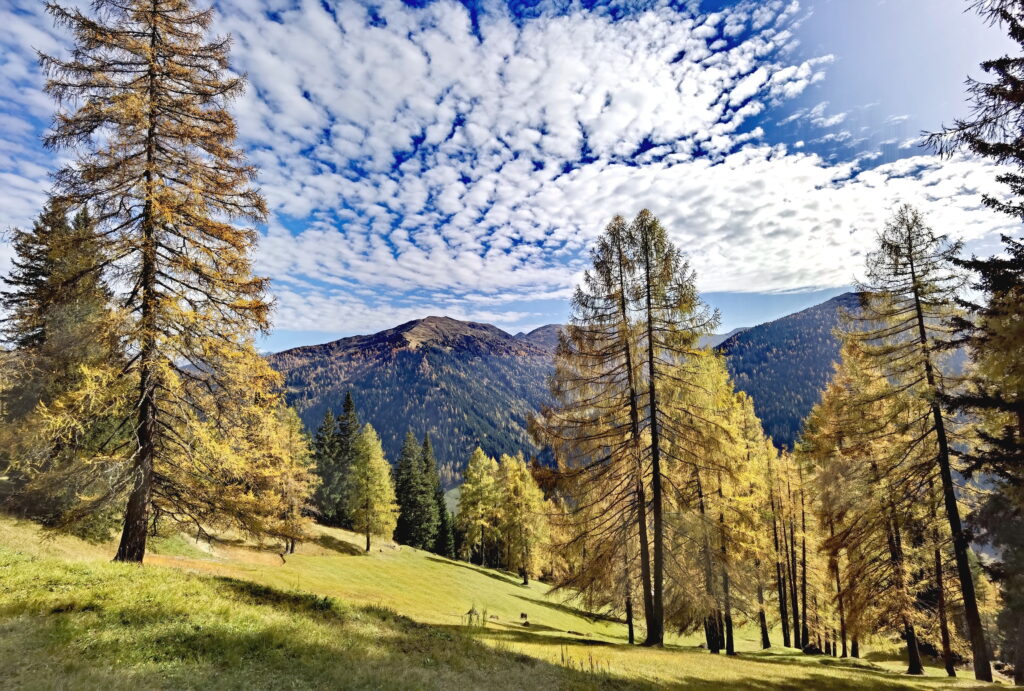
479, 503
993, 332
370, 500
595, 426
524, 517
908, 299
143, 102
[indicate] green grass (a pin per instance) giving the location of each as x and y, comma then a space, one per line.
334, 617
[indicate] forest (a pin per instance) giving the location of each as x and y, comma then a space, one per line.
649, 498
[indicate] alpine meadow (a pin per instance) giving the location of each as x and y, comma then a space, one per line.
443, 344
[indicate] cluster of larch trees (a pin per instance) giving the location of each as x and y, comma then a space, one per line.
133, 393
504, 518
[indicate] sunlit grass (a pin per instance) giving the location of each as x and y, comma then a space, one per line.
228, 616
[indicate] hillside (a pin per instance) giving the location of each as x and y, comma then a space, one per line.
464, 383
784, 364
468, 383
232, 616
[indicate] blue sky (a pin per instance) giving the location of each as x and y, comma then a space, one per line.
438, 157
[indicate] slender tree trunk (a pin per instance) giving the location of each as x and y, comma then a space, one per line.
855, 647
762, 620
979, 647
1018, 658
132, 547
914, 665
780, 577
726, 596
482, 560
629, 618
711, 629
656, 634
804, 633
634, 415
940, 594
839, 593
799, 641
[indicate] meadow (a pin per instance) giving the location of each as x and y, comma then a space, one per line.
234, 616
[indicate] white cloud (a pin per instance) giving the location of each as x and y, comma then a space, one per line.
422, 162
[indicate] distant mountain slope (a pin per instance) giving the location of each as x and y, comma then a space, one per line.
465, 383
714, 340
784, 364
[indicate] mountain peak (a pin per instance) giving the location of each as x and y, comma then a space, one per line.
446, 332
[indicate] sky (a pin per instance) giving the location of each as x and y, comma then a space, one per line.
434, 157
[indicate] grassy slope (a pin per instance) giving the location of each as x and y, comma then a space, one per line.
234, 617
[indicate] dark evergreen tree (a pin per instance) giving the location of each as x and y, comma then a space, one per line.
993, 331
346, 432
407, 472
325, 454
428, 517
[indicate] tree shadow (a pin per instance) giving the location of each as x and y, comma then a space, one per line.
483, 571
574, 611
335, 545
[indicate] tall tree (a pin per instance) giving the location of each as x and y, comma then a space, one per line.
993, 333
407, 483
370, 498
61, 327
524, 517
155, 162
426, 497
326, 454
346, 432
479, 503
909, 296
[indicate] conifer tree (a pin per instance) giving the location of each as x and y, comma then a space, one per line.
907, 303
479, 503
407, 481
429, 518
524, 520
370, 499
326, 453
346, 431
61, 327
146, 95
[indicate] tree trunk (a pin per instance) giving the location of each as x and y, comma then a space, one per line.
634, 415
762, 620
914, 665
804, 633
132, 547
798, 640
711, 629
629, 617
726, 597
839, 593
940, 594
1018, 657
855, 648
780, 576
979, 647
656, 634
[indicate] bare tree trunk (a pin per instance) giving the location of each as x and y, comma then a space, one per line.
914, 665
711, 629
629, 618
762, 620
726, 596
132, 547
655, 634
804, 633
780, 576
979, 647
839, 593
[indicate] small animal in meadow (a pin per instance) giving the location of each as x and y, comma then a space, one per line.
523, 615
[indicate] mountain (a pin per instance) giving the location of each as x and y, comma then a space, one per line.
468, 383
784, 364
714, 340
464, 383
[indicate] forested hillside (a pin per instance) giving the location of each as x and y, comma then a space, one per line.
462, 383
784, 364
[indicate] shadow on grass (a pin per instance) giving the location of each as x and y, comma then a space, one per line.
335, 545
483, 571
574, 611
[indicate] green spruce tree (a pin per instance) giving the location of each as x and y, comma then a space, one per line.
407, 479
325, 454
